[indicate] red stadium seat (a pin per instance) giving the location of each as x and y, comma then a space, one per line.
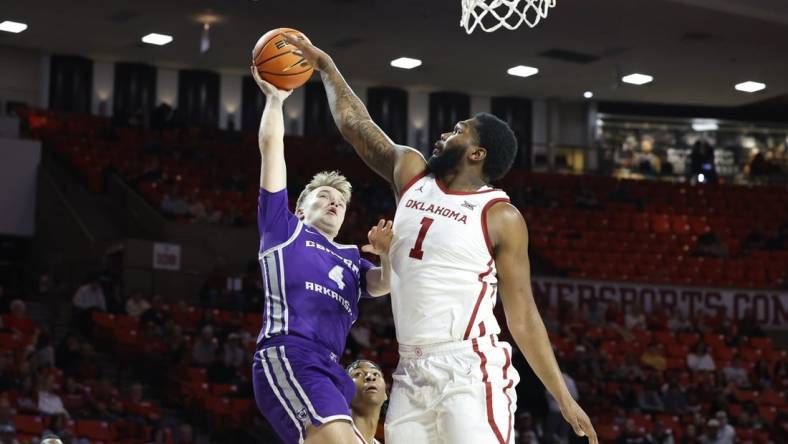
29, 424
95, 430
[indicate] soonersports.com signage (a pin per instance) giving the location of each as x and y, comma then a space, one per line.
770, 306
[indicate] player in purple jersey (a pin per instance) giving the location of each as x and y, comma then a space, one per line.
312, 286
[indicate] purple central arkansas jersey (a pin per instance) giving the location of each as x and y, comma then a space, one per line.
312, 285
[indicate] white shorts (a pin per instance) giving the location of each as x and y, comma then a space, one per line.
457, 393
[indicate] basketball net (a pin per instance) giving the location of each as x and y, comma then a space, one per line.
490, 15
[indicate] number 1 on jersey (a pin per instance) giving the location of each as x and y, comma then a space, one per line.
416, 252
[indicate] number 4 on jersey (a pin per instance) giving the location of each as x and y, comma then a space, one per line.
336, 275
416, 252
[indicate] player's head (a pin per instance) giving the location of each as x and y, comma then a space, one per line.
323, 202
483, 140
370, 385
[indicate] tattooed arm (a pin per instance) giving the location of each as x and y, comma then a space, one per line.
398, 164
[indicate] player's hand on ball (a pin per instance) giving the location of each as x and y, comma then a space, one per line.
269, 90
379, 238
311, 53
578, 419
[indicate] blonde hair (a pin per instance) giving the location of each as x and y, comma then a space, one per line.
331, 179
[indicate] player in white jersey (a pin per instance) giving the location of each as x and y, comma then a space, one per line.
369, 399
458, 244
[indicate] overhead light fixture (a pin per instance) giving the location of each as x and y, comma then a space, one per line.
205, 39
637, 79
157, 39
588, 94
705, 125
750, 86
522, 71
405, 63
15, 27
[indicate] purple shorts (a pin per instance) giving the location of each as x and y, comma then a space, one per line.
295, 383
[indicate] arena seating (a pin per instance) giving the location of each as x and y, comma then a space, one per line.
588, 227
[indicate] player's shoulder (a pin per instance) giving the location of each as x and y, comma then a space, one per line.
505, 214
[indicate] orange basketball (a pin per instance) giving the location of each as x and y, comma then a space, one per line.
275, 62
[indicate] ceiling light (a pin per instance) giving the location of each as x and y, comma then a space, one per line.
15, 27
405, 63
522, 71
750, 86
157, 39
637, 79
705, 125
588, 94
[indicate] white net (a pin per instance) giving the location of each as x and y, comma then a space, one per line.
489, 15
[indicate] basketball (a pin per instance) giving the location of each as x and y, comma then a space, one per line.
276, 64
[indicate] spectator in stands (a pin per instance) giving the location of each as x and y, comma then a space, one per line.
185, 434
631, 434
726, 433
137, 305
649, 400
654, 358
630, 370
105, 399
674, 397
197, 208
173, 205
525, 425
44, 352
626, 397
67, 354
677, 321
87, 299
5, 411
661, 435
710, 245
594, 313
155, 314
18, 321
712, 431
699, 359
48, 401
204, 349
90, 296
690, 435
8, 434
749, 325
56, 431
737, 373
234, 353
635, 318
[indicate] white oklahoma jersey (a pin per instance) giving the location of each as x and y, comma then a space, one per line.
454, 382
443, 277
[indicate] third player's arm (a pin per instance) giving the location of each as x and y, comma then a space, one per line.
379, 278
397, 164
510, 239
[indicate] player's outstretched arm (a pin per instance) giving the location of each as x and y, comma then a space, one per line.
379, 278
270, 138
509, 235
398, 164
